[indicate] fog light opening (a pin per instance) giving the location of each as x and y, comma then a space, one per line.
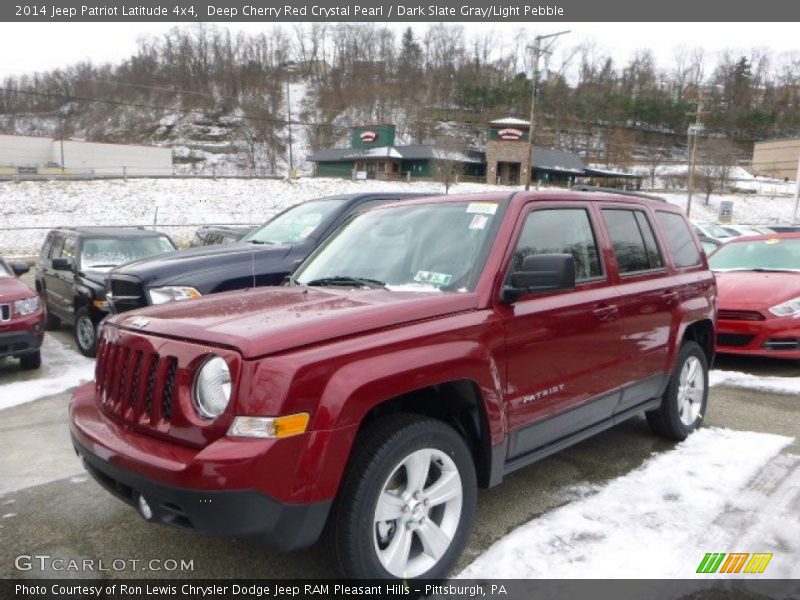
145, 508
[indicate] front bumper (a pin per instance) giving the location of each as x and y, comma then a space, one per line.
22, 335
774, 337
236, 513
211, 490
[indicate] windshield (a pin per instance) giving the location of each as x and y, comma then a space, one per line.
429, 247
106, 253
4, 272
770, 254
296, 224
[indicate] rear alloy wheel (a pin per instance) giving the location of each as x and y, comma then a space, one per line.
407, 503
86, 333
683, 405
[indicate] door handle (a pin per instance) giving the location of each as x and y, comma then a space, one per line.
671, 296
606, 312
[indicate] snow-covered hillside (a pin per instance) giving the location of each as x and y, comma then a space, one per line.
31, 208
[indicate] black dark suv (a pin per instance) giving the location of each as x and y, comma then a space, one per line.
71, 270
263, 257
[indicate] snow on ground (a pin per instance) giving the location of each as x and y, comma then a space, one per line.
779, 385
185, 203
62, 368
47, 204
709, 494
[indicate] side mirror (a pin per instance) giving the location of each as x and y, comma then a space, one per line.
62, 264
540, 273
20, 268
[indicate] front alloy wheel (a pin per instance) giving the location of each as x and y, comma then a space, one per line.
86, 333
407, 500
417, 513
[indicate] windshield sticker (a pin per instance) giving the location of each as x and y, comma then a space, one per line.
433, 278
773, 241
479, 222
482, 208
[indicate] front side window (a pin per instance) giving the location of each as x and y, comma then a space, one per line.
633, 241
4, 270
70, 249
296, 224
560, 231
428, 247
106, 253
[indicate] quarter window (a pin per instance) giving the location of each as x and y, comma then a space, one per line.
679, 239
633, 241
560, 231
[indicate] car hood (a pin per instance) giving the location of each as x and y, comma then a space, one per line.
752, 289
174, 266
263, 321
12, 289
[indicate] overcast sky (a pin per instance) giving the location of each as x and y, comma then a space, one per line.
28, 47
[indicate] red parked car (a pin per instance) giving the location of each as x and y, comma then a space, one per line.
21, 317
758, 278
428, 347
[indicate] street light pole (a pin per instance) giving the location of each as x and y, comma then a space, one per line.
537, 52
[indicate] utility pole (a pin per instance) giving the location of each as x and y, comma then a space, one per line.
288, 67
537, 52
61, 141
692, 134
796, 193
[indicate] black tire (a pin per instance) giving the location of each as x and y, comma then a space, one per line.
379, 450
30, 362
85, 333
666, 420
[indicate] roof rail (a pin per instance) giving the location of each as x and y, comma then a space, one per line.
598, 188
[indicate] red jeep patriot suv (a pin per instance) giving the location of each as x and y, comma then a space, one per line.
427, 348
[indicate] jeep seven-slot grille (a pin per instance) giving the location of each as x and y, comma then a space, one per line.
136, 386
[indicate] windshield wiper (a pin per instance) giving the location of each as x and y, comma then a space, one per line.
260, 242
348, 281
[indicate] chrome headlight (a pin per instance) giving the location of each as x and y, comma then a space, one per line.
172, 292
212, 388
26, 306
790, 308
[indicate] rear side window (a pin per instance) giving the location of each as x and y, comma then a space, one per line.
679, 239
560, 231
632, 237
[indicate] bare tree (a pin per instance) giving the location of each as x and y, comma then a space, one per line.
448, 160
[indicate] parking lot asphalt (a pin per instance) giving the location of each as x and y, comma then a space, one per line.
58, 510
